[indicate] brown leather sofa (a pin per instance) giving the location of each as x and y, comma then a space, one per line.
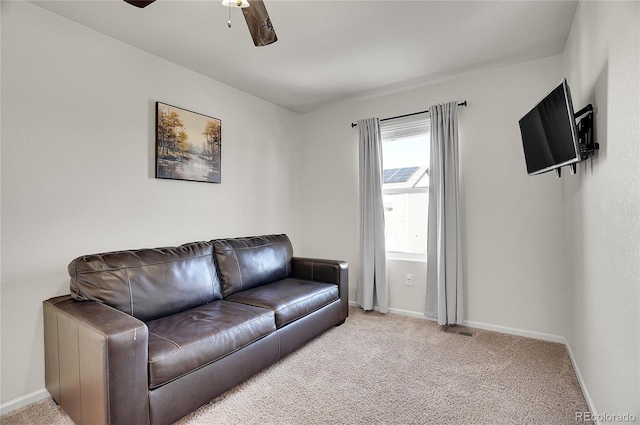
147, 336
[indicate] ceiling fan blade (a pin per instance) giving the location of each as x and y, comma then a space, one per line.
140, 3
259, 23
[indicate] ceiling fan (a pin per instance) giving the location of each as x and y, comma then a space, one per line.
255, 14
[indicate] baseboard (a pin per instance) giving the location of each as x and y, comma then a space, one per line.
514, 331
25, 400
478, 325
409, 313
583, 385
399, 311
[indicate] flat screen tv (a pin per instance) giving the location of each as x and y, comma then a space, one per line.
549, 133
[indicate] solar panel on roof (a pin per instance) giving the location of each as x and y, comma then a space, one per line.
399, 175
388, 173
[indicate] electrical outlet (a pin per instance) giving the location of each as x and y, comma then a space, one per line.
408, 279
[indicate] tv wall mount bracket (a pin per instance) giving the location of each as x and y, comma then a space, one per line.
586, 143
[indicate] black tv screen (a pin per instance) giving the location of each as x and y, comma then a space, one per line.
549, 132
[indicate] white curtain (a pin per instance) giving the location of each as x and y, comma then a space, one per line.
372, 289
444, 259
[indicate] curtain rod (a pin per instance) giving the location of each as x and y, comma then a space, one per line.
408, 115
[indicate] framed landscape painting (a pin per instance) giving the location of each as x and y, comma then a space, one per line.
188, 145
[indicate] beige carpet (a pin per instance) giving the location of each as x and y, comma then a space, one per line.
391, 369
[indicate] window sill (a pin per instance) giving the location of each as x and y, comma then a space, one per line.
397, 256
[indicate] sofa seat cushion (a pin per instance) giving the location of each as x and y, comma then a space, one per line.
289, 299
186, 341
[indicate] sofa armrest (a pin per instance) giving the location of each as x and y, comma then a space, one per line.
329, 271
96, 362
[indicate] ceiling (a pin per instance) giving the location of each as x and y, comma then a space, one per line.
330, 51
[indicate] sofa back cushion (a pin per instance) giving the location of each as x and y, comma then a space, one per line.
244, 263
148, 283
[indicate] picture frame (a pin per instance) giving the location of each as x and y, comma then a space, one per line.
188, 145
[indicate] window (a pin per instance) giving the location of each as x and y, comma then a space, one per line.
405, 156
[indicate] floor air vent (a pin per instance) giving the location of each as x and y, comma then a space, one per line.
454, 330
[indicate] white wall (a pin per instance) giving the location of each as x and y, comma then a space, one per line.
602, 206
78, 164
513, 222
406, 299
